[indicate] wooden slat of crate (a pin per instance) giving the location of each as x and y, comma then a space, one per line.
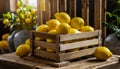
64, 56
79, 44
80, 35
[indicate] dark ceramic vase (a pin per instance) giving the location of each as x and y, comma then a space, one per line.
20, 37
113, 43
11, 42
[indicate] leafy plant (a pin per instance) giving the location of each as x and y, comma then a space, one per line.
23, 18
113, 22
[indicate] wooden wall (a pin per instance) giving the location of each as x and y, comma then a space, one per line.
4, 7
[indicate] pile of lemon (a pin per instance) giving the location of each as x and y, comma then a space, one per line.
4, 42
63, 24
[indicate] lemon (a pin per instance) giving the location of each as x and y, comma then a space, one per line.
9, 15
63, 28
22, 15
22, 50
19, 4
87, 29
18, 11
27, 41
39, 38
102, 53
33, 11
3, 44
28, 14
42, 28
49, 50
5, 21
73, 31
77, 23
52, 24
63, 17
51, 32
18, 19
5, 36
27, 20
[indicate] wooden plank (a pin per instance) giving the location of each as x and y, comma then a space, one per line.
98, 14
46, 55
79, 35
39, 63
54, 7
63, 5
39, 12
76, 54
44, 44
85, 11
32, 47
72, 9
78, 44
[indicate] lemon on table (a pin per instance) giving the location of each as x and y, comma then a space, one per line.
3, 44
63, 28
63, 17
102, 53
77, 23
22, 50
52, 24
87, 29
42, 28
5, 36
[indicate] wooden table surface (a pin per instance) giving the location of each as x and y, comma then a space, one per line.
11, 61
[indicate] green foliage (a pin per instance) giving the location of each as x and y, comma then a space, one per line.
114, 18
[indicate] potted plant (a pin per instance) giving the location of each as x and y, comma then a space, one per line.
112, 41
20, 23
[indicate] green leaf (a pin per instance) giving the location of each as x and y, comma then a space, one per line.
109, 14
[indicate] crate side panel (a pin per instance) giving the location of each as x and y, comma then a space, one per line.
76, 54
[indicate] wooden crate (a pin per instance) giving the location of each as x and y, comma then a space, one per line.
86, 42
90, 39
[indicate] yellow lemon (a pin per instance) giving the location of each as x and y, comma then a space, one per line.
77, 23
87, 29
49, 50
51, 32
27, 20
42, 28
22, 50
5, 36
102, 53
63, 17
33, 12
39, 38
73, 31
19, 4
3, 44
63, 28
28, 14
5, 21
27, 41
9, 16
18, 19
52, 24
18, 11
22, 15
